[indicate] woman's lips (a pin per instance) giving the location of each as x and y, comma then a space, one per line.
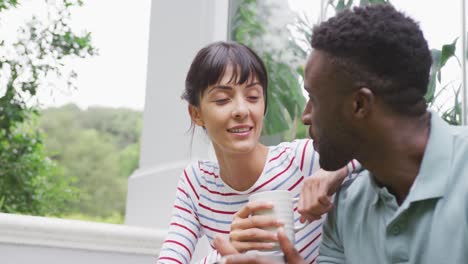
240, 132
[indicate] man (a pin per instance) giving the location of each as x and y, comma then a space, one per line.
366, 80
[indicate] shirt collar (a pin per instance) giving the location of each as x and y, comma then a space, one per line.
431, 181
435, 168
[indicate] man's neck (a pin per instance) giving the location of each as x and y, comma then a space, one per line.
395, 154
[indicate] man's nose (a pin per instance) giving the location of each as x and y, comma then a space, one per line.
306, 117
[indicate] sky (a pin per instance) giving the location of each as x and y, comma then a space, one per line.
116, 77
439, 20
120, 30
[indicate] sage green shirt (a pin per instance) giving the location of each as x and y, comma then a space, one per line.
430, 226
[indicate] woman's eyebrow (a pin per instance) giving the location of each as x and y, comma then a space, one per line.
227, 87
252, 84
220, 86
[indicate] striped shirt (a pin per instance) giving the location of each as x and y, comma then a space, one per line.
205, 205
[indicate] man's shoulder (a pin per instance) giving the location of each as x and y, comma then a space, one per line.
355, 195
460, 149
460, 137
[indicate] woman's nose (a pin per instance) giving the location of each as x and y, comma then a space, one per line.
240, 110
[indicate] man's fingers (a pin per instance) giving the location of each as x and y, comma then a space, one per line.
246, 259
224, 247
291, 254
252, 207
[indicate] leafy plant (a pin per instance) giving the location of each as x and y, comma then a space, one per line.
451, 113
31, 183
282, 56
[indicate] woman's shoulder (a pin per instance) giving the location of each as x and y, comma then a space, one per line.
293, 146
200, 168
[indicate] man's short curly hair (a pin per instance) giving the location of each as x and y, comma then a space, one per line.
382, 49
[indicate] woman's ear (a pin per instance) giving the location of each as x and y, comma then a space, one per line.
195, 115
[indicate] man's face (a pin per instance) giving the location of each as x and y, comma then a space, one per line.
324, 113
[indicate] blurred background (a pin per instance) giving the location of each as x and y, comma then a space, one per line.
74, 75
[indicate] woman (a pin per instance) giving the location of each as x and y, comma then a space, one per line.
226, 91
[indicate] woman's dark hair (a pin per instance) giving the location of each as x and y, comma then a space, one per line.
210, 63
380, 48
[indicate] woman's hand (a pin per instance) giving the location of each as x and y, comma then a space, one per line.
232, 256
250, 232
315, 199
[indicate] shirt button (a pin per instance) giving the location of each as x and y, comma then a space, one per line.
396, 230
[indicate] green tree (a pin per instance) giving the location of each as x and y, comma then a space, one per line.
123, 124
31, 183
93, 159
100, 148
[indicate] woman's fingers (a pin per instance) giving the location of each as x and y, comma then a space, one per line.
314, 198
256, 221
253, 235
224, 247
252, 207
250, 231
246, 246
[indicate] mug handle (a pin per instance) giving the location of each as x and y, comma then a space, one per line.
300, 226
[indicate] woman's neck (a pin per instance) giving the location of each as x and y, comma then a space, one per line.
241, 170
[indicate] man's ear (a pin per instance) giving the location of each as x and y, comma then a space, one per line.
195, 115
363, 103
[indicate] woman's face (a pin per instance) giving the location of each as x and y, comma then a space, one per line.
232, 114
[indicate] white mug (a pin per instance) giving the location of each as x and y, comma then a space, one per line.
283, 210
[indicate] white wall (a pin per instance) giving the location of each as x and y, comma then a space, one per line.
24, 254
41, 240
178, 29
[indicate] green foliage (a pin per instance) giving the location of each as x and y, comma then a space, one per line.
452, 113
439, 59
340, 5
123, 124
30, 183
250, 26
115, 218
6, 4
100, 148
285, 98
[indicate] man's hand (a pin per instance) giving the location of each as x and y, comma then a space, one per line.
232, 256
315, 198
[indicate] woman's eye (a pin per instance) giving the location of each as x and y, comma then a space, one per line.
253, 98
221, 101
